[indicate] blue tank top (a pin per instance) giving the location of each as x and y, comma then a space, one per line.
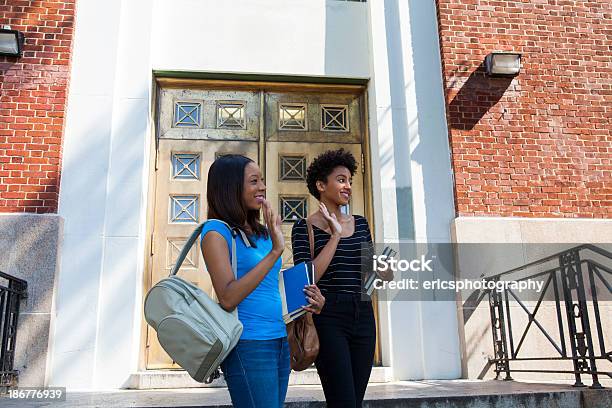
261, 312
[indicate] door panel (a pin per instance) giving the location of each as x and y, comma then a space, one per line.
290, 195
209, 114
197, 125
313, 117
180, 205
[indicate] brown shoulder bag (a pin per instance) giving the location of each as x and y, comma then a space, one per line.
301, 333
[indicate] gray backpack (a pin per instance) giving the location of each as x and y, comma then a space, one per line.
191, 327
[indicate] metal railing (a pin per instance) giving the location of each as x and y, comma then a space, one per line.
574, 277
12, 290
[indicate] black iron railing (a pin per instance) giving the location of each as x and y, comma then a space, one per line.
12, 290
575, 276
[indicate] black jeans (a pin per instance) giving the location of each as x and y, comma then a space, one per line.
347, 338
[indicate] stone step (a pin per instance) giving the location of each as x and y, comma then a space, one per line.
405, 394
155, 379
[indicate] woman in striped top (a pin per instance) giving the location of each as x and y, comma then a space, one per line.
346, 329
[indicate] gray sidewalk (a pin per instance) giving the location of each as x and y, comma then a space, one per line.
421, 394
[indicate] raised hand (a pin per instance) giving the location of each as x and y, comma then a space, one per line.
273, 222
334, 224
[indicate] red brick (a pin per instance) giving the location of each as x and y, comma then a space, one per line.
33, 93
12, 194
542, 133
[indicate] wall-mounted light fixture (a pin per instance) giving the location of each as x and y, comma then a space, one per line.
503, 63
11, 42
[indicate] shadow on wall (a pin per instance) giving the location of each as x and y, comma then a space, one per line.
477, 95
339, 56
98, 254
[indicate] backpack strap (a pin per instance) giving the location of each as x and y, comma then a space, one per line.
310, 238
187, 247
194, 236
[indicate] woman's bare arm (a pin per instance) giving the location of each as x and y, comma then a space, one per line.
231, 291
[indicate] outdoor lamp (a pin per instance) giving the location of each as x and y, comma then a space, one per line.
503, 63
11, 42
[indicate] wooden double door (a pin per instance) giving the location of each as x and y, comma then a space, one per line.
281, 130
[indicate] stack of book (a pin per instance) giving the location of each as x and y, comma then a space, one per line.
291, 284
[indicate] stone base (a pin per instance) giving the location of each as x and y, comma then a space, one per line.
154, 379
475, 319
29, 244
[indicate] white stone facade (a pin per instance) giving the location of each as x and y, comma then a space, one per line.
119, 45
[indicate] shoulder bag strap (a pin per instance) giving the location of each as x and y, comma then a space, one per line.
310, 238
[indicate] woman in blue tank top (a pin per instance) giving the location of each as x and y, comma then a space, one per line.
257, 369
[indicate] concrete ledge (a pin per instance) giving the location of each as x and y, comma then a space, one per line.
417, 394
531, 230
170, 379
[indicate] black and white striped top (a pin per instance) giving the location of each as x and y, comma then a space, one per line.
343, 275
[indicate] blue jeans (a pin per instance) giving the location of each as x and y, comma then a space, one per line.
257, 373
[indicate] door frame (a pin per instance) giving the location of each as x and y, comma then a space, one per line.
250, 82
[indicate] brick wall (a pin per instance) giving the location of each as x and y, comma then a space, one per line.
539, 145
33, 91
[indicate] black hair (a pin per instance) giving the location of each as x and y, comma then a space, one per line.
224, 194
324, 164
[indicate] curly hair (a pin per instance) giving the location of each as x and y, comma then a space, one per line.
324, 164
